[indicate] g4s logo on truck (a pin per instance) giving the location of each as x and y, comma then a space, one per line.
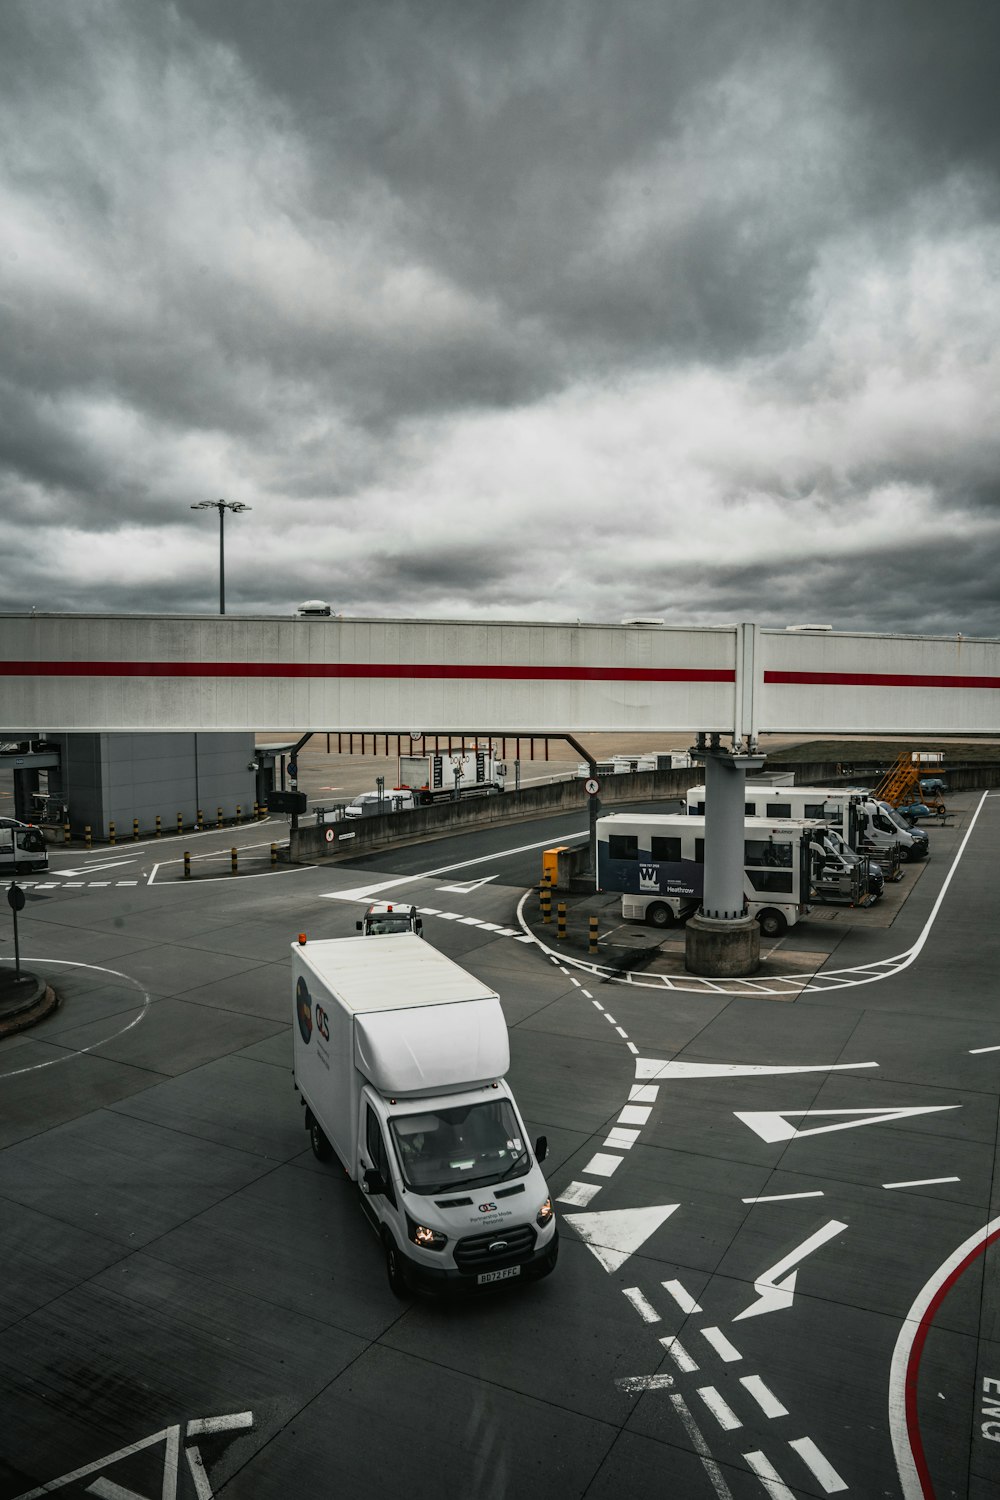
487, 1208
303, 1009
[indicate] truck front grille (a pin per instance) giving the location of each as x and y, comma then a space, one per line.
500, 1247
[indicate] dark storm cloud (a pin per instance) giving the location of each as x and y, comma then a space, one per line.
540, 309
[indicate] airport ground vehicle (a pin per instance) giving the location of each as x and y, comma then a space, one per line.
389, 916
657, 862
471, 772
648, 760
400, 1058
372, 804
23, 849
864, 824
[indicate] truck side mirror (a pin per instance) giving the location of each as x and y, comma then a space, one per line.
541, 1148
420, 924
373, 1182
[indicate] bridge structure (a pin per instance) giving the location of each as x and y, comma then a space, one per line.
117, 674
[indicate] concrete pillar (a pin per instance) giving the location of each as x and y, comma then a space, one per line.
720, 942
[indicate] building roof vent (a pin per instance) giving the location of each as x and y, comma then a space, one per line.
312, 607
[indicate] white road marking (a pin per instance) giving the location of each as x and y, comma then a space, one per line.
633, 1384
906, 1467
775, 1294
921, 1182
721, 1344
773, 1124
697, 1439
468, 886
720, 1409
602, 1164
820, 1466
634, 1114
196, 1468
622, 1032
610, 1018
654, 1067
678, 1353
684, 1300
107, 864
643, 1093
579, 1193
643, 1307
235, 1422
631, 1046
765, 1398
68, 1056
616, 1234
786, 1197
975, 1051
365, 892
768, 1476
624, 1140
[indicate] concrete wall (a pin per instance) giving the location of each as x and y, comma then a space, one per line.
345, 840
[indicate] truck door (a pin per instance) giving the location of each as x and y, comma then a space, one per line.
381, 1207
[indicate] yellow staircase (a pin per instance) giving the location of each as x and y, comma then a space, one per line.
901, 784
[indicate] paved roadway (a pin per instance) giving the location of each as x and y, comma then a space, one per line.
774, 1278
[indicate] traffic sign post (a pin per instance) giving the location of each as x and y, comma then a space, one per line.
15, 900
592, 786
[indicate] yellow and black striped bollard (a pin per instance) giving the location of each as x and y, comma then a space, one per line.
545, 902
180, 823
135, 829
158, 828
218, 817
593, 924
274, 854
88, 837
232, 860
561, 920
187, 865
111, 833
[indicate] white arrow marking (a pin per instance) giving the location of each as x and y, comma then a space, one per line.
466, 886
616, 1234
773, 1124
91, 869
654, 1067
774, 1294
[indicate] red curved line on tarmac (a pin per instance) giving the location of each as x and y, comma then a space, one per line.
469, 672
913, 1363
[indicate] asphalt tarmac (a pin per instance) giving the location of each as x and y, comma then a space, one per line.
778, 1214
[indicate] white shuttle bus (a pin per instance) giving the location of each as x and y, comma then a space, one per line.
864, 823
657, 861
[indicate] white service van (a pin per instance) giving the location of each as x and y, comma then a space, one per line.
383, 917
23, 850
864, 823
400, 1059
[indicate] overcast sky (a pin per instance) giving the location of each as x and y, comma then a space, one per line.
503, 308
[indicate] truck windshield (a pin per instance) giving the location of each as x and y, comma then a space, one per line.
377, 925
459, 1147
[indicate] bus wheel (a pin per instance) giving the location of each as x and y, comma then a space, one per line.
425, 799
659, 915
772, 923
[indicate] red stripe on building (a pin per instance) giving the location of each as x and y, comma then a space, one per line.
878, 679
362, 669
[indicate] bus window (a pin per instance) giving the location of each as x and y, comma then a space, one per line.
664, 850
623, 846
778, 810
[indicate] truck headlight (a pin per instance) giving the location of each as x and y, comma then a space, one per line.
544, 1214
427, 1239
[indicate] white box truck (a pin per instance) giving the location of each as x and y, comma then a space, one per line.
471, 772
400, 1059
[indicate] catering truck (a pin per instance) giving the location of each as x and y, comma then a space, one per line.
400, 1059
471, 772
23, 850
657, 861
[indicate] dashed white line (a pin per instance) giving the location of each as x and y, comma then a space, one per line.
634, 1114
602, 1165
624, 1140
683, 1298
976, 1051
702, 1449
579, 1194
921, 1182
820, 1466
786, 1197
630, 1383
768, 1476
721, 1344
643, 1093
678, 1353
642, 1305
765, 1398
720, 1408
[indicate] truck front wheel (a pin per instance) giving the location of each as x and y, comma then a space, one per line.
321, 1148
425, 799
395, 1274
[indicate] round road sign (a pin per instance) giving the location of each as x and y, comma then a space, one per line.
592, 786
329, 835
15, 898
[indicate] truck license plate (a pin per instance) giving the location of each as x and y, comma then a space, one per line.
485, 1276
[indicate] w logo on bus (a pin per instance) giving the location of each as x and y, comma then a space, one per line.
649, 877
